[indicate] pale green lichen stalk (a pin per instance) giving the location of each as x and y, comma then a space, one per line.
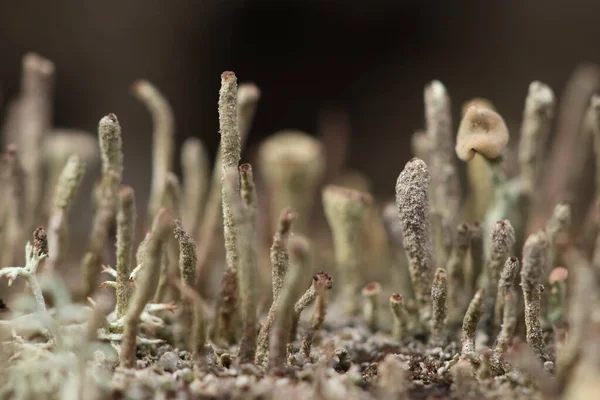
322, 284
195, 167
345, 211
455, 268
163, 139
371, 293
64, 194
469, 327
439, 294
400, 316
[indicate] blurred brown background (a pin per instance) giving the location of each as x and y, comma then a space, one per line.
369, 58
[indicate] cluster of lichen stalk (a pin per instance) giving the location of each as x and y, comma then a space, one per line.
467, 283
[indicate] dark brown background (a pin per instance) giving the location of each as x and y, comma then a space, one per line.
370, 58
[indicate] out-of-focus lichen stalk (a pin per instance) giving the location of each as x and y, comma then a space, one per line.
58, 146
230, 158
163, 139
194, 164
299, 250
502, 242
345, 211
171, 201
505, 284
126, 220
371, 293
420, 144
595, 117
320, 279
149, 255
248, 96
109, 133
64, 194
535, 129
400, 275
507, 330
322, 284
534, 261
557, 301
412, 200
558, 224
279, 265
469, 327
565, 166
292, 164
475, 267
464, 385
439, 293
15, 216
445, 182
33, 123
334, 132
456, 274
400, 315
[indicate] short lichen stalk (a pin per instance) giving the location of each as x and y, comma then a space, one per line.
456, 274
502, 241
534, 261
506, 284
412, 200
371, 293
299, 250
279, 266
319, 280
507, 330
469, 328
126, 219
149, 256
322, 285
398, 308
64, 194
163, 140
109, 132
187, 270
439, 294
230, 158
558, 224
345, 211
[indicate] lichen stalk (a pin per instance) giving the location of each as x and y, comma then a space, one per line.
445, 183
502, 241
109, 133
507, 330
230, 157
456, 274
163, 139
299, 250
126, 220
505, 284
345, 211
469, 327
535, 129
371, 293
248, 96
475, 268
322, 284
279, 266
439, 294
292, 164
400, 316
15, 213
195, 168
558, 224
534, 261
149, 255
64, 194
412, 201
187, 270
307, 299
